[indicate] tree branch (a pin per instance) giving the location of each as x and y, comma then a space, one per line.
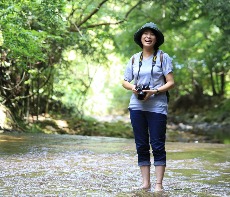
114, 23
71, 13
83, 10
16, 85
92, 13
100, 24
21, 97
132, 9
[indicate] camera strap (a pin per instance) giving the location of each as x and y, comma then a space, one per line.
153, 64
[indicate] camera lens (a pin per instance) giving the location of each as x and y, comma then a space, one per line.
141, 95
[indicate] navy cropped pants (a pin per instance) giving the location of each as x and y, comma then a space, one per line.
149, 128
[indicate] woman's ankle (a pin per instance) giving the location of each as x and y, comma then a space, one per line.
146, 185
158, 185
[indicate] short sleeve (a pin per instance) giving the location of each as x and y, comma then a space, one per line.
128, 75
167, 65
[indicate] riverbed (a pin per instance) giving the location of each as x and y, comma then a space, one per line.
71, 165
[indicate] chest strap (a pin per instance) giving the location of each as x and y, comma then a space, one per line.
161, 59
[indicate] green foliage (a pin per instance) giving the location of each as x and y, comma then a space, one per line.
93, 43
91, 127
194, 38
201, 46
226, 141
120, 101
226, 105
61, 44
27, 26
35, 128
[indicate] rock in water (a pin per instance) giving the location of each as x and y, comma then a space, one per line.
7, 121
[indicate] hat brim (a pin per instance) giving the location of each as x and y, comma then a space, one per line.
158, 34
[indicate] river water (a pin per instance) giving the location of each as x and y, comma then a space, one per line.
67, 165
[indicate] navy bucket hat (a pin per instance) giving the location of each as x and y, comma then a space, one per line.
155, 29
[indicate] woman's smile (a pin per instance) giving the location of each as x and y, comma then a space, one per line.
148, 38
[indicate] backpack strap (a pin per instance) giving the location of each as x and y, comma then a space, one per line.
167, 92
133, 59
161, 57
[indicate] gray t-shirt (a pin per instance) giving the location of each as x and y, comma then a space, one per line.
157, 102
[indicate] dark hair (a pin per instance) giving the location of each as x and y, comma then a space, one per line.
156, 48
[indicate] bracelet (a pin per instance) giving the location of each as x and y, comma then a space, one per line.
156, 90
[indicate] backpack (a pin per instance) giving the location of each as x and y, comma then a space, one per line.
161, 59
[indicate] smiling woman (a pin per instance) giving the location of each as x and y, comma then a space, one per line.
148, 38
152, 72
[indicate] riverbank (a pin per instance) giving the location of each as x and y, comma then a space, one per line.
75, 165
120, 126
207, 124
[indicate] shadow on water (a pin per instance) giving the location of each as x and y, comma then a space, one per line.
65, 165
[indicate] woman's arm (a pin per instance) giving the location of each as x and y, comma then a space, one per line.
170, 83
129, 86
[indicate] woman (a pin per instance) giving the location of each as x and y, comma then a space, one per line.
149, 116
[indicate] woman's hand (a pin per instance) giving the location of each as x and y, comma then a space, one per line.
134, 90
149, 93
169, 85
129, 86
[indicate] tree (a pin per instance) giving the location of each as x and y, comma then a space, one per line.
196, 39
36, 34
28, 29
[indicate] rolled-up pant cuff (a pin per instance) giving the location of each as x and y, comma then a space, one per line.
159, 163
144, 163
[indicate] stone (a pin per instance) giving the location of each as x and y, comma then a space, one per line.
181, 139
50, 128
227, 120
220, 117
6, 118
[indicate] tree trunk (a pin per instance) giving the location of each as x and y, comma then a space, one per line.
27, 107
38, 99
47, 103
218, 85
222, 80
32, 99
212, 82
22, 113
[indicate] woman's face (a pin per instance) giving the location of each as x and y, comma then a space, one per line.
148, 38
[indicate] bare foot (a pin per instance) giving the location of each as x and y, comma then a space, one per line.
146, 186
143, 187
158, 187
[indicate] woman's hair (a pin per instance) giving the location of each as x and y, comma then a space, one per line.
156, 48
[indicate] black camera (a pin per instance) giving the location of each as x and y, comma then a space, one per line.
141, 95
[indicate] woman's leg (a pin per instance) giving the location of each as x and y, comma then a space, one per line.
145, 172
141, 135
157, 129
160, 170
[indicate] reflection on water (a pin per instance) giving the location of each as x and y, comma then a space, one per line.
65, 165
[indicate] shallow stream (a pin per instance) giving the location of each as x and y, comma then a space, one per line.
68, 165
